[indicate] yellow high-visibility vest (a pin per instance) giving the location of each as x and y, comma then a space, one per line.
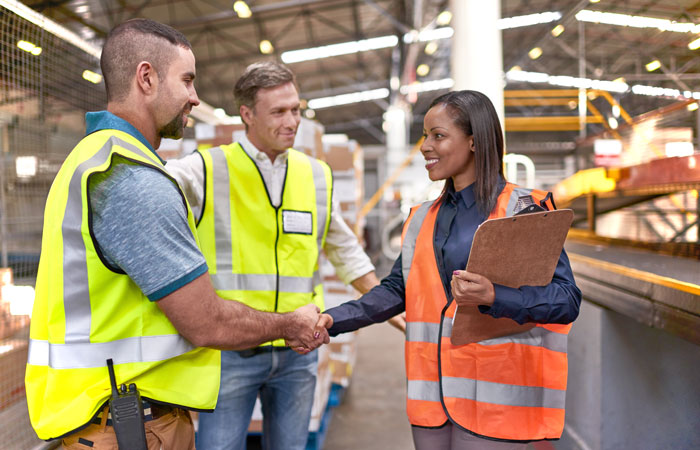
85, 313
258, 254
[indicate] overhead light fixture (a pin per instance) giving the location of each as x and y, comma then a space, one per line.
394, 83
266, 47
425, 86
29, 47
241, 8
694, 45
566, 81
594, 1
422, 70
619, 80
535, 53
428, 35
693, 106
444, 18
310, 113
345, 99
516, 68
431, 48
616, 111
626, 20
344, 48
527, 20
91, 76
612, 122
556, 31
653, 65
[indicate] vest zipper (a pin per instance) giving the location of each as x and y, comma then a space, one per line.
277, 266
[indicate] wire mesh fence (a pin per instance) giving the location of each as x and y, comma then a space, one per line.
44, 94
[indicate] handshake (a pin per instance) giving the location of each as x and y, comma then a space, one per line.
307, 329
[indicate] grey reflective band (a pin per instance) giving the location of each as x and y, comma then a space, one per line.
423, 390
487, 392
513, 201
76, 290
221, 202
261, 282
503, 394
537, 336
321, 199
87, 355
408, 247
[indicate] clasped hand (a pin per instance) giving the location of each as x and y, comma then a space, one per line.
470, 289
304, 335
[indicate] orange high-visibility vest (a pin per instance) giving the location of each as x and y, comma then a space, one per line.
511, 387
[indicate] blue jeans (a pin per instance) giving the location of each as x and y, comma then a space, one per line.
286, 383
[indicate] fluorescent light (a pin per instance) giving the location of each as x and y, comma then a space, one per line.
566, 81
344, 48
527, 20
444, 18
344, 99
655, 91
556, 31
425, 86
626, 20
266, 47
653, 65
594, 1
431, 48
428, 35
535, 53
693, 106
242, 9
25, 166
694, 45
91, 76
422, 70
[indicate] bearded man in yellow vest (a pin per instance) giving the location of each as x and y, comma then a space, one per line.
121, 276
264, 212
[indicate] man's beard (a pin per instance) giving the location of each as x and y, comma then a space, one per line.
173, 129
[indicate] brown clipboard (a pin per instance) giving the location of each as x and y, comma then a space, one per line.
522, 250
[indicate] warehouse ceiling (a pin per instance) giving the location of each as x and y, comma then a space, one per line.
225, 43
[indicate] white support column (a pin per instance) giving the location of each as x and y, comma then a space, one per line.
477, 52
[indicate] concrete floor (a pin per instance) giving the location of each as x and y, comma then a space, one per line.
372, 414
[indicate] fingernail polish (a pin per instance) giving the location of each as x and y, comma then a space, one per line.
455, 272
316, 335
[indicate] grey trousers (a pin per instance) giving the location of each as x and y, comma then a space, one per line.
450, 437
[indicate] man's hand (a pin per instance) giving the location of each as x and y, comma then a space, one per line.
470, 289
399, 322
301, 335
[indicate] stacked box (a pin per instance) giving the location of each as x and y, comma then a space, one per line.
308, 139
208, 136
346, 160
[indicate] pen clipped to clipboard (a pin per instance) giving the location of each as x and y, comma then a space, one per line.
521, 250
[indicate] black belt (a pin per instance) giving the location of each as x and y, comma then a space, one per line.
151, 411
250, 352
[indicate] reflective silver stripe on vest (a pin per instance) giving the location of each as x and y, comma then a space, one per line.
487, 392
90, 355
408, 247
321, 199
537, 336
513, 201
423, 390
261, 282
76, 291
503, 394
222, 211
428, 332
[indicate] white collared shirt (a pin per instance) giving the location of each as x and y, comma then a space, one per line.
342, 247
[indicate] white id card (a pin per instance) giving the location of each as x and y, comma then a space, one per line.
297, 222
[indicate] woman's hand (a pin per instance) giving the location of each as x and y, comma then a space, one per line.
470, 289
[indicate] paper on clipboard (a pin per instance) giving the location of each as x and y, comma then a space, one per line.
521, 250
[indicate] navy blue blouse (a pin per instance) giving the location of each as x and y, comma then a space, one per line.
457, 221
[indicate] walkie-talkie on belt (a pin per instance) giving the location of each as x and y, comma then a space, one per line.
127, 414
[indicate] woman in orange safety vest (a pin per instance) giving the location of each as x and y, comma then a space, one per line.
498, 392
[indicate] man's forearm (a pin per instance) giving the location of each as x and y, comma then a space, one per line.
365, 282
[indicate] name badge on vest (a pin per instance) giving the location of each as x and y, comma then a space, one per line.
297, 222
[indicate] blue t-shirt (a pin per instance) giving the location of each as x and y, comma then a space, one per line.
139, 219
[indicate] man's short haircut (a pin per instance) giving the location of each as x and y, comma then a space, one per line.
260, 75
132, 42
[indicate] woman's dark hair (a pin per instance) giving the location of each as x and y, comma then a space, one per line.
475, 115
